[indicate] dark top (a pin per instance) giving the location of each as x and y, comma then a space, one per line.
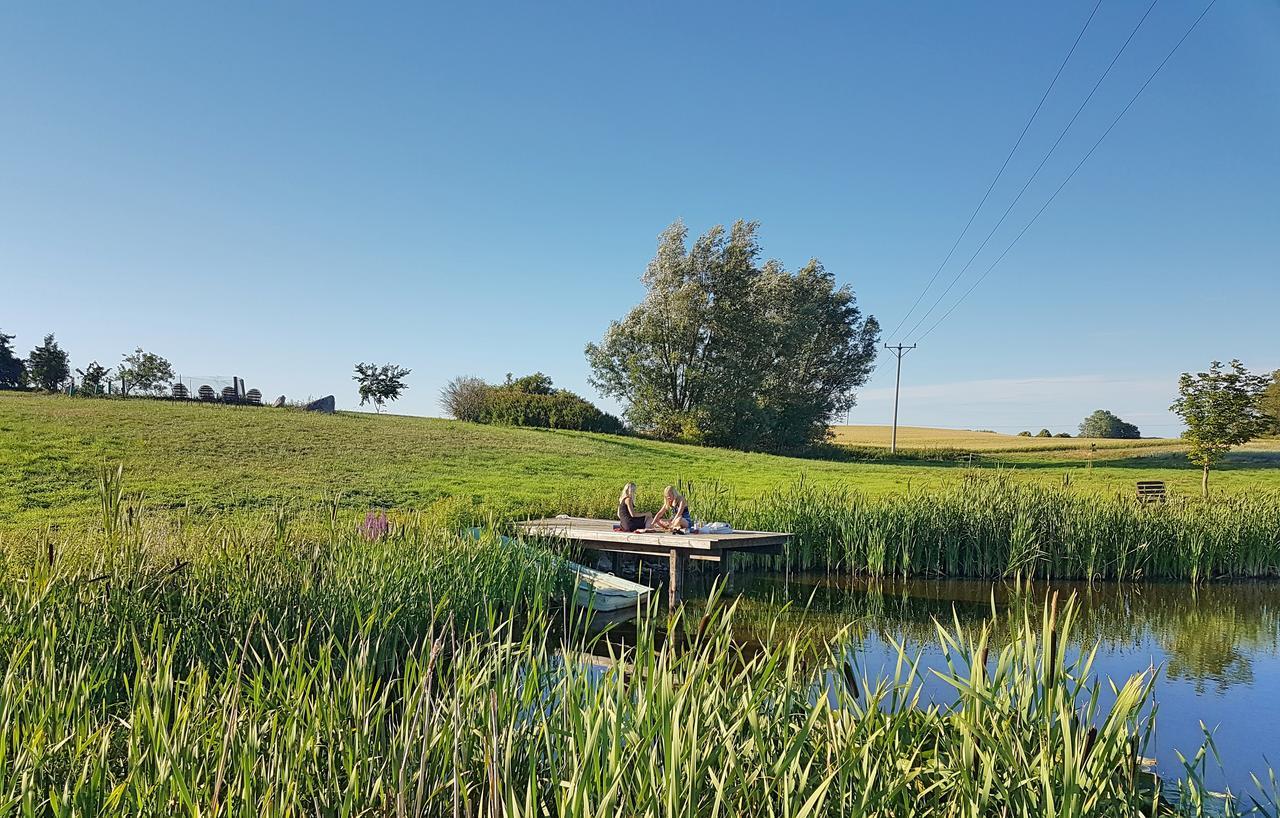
629, 521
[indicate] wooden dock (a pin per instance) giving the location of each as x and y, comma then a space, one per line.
677, 549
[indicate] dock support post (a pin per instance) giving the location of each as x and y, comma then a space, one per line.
675, 581
724, 570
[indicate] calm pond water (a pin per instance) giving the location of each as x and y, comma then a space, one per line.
1217, 647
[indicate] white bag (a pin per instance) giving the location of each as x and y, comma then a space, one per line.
716, 528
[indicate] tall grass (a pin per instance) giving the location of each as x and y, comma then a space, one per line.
991, 527
378, 679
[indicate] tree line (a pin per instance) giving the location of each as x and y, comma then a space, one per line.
726, 349
48, 367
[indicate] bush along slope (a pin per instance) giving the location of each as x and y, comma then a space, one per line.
527, 401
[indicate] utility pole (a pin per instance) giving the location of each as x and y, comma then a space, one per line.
898, 350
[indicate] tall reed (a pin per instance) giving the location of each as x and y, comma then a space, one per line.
995, 526
115, 701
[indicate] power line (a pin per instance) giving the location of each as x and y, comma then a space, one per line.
1079, 164
1000, 172
1039, 167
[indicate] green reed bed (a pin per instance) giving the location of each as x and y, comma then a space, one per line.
991, 527
391, 671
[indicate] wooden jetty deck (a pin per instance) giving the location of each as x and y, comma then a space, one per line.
677, 549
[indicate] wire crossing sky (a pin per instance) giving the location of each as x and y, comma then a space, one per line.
280, 192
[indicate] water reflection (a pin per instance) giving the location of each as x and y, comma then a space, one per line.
1208, 636
1218, 647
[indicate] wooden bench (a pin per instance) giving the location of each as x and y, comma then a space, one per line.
677, 549
1151, 491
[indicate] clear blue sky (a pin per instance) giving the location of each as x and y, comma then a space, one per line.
278, 191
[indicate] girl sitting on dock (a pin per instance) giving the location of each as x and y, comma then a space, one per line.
675, 504
627, 517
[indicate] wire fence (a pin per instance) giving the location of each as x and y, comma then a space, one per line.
205, 388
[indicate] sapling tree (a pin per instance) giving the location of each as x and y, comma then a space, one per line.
379, 384
92, 377
1221, 410
145, 372
48, 365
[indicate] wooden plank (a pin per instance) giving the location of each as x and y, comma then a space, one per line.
643, 550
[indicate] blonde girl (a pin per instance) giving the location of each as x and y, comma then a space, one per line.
675, 505
628, 519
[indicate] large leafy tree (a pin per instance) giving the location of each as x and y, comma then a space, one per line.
379, 384
48, 365
145, 372
1221, 410
12, 370
730, 351
1269, 403
1103, 423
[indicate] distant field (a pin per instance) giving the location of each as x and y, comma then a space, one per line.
221, 458
923, 437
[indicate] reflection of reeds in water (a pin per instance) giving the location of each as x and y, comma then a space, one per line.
1207, 633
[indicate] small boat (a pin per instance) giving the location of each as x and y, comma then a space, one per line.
601, 591
595, 590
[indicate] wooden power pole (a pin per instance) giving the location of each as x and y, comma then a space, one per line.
899, 350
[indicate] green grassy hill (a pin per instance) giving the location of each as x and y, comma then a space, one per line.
229, 458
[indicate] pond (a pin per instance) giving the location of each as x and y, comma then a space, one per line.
1217, 647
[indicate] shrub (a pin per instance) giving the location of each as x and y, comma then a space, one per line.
528, 401
1044, 433
1024, 433
464, 398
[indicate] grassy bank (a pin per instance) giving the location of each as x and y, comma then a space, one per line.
215, 460
219, 671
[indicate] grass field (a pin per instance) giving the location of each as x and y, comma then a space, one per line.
254, 659
219, 458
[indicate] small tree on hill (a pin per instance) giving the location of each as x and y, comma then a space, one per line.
92, 377
1221, 410
1269, 403
48, 365
144, 371
379, 384
12, 369
1103, 423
